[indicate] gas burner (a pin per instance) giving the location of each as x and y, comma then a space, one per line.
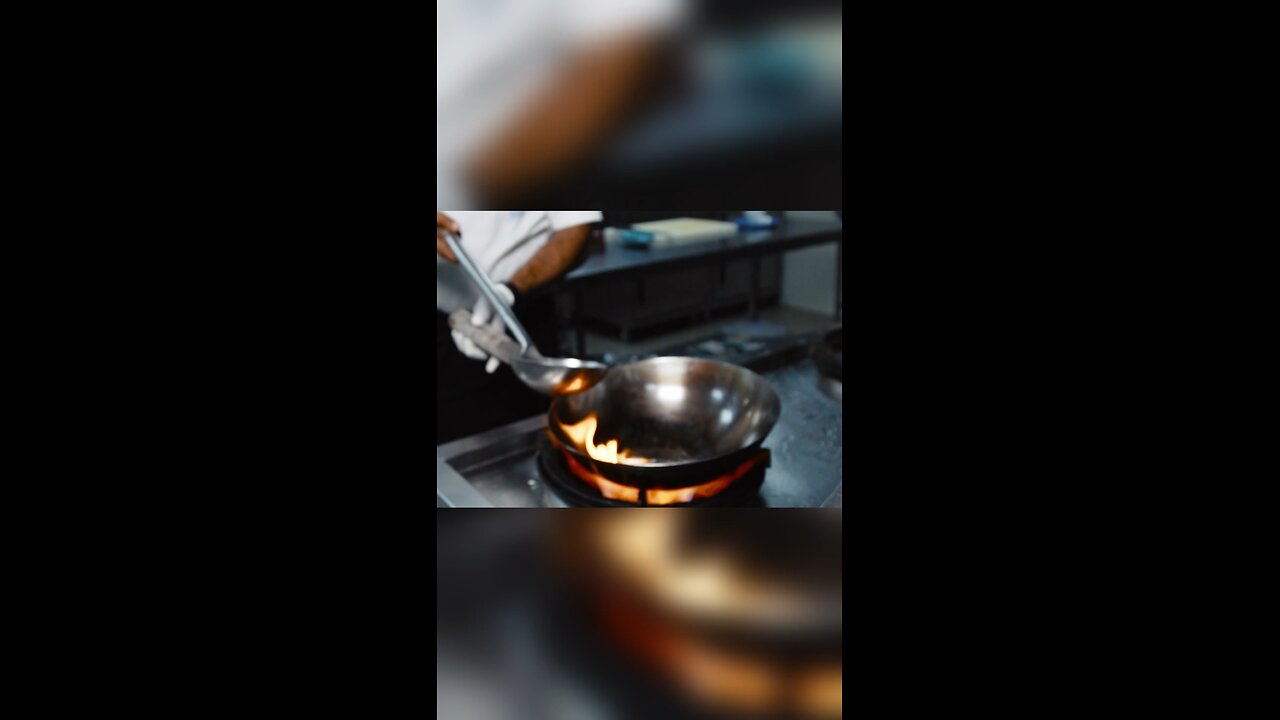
571, 490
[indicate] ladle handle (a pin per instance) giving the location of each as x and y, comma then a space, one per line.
495, 343
490, 293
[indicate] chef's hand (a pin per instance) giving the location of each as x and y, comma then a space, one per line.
483, 314
444, 223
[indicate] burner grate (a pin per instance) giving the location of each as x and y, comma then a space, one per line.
555, 471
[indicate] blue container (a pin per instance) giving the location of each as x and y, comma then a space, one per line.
636, 238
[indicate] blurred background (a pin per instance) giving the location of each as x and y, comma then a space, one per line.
621, 614
566, 104
636, 296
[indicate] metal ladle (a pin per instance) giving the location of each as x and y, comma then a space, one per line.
550, 376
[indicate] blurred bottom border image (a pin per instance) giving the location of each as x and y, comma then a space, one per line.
614, 614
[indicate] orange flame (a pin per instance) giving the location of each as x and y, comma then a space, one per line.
665, 496
583, 433
607, 488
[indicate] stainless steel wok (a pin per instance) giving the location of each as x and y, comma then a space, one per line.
694, 419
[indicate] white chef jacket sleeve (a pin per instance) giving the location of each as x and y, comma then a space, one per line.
590, 20
561, 219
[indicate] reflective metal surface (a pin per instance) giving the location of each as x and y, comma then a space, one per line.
500, 465
806, 443
674, 410
558, 376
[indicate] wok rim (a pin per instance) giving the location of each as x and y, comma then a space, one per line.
775, 402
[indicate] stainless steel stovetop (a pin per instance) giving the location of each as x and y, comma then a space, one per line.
498, 468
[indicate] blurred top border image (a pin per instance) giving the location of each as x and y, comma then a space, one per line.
639, 104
